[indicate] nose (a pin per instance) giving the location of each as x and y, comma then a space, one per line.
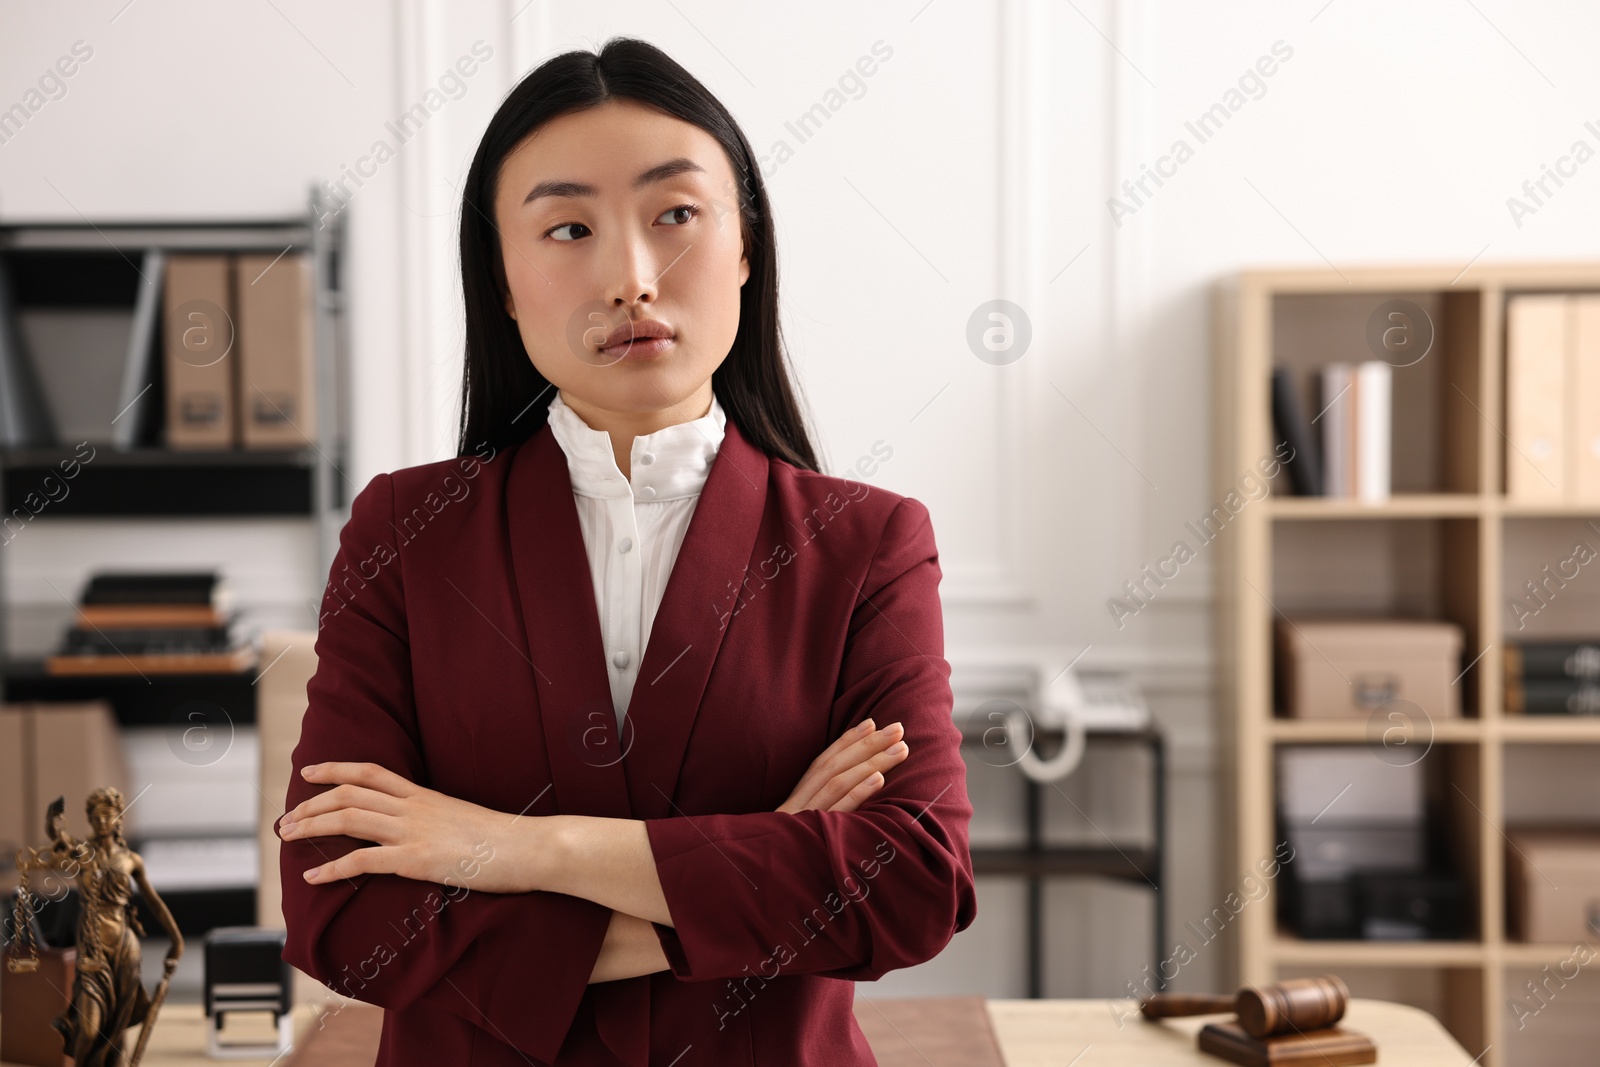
634, 273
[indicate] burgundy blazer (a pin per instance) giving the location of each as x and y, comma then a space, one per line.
459, 645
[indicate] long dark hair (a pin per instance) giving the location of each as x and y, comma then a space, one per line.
504, 398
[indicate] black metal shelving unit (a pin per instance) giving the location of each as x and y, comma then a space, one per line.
82, 264
1135, 864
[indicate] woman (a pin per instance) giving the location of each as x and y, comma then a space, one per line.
650, 833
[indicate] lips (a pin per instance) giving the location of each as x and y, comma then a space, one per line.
634, 331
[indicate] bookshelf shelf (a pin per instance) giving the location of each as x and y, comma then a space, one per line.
1401, 505
154, 700
234, 235
1447, 544
1548, 730
21, 458
1517, 729
1523, 954
155, 482
1292, 950
1554, 509
1341, 732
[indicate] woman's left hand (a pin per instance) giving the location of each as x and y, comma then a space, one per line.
417, 832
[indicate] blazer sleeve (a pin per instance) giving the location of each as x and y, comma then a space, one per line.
843, 894
514, 964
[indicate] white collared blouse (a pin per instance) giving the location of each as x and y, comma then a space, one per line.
633, 527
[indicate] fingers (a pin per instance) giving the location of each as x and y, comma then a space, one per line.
376, 860
864, 749
854, 748
858, 732
344, 796
370, 775
861, 793
819, 769
352, 822
858, 751
846, 783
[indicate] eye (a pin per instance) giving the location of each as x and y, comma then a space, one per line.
565, 225
692, 209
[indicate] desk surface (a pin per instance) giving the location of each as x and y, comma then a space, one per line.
1032, 1033
1037, 1033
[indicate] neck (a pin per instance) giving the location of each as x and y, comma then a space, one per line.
624, 426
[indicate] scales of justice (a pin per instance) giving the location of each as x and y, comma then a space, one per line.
107, 995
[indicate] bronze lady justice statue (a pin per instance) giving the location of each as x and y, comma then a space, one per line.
107, 995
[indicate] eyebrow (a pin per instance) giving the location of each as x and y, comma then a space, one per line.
658, 173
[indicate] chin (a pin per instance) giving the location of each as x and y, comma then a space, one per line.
645, 388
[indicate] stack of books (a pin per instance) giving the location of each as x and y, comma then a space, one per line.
1553, 677
153, 623
1342, 450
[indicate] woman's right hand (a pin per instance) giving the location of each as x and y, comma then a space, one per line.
850, 770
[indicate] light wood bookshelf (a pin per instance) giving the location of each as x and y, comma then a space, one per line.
1448, 509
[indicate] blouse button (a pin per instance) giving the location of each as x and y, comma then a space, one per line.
620, 659
648, 492
626, 544
648, 457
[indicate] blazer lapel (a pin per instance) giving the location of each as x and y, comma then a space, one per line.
689, 625
595, 772
563, 631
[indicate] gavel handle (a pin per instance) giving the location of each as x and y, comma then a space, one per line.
1174, 1005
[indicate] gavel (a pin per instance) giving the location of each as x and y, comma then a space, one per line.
1296, 1004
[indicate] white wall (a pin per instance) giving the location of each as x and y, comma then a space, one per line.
977, 163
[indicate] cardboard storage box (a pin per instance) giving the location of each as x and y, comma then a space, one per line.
1553, 885
49, 750
1352, 668
13, 810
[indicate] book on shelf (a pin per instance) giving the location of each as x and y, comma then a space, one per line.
1348, 453
147, 639
1553, 396
237, 659
1558, 677
138, 407
1289, 421
172, 622
140, 598
1337, 415
1374, 389
24, 415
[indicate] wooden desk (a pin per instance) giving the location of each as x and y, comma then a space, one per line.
1032, 1033
1049, 1033
180, 1037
